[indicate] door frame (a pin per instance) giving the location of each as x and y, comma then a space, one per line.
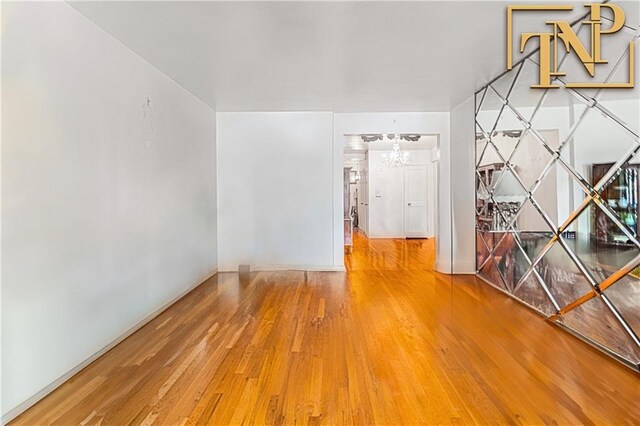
429, 124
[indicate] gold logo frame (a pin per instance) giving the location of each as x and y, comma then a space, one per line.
563, 31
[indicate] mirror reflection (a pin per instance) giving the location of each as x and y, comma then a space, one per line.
557, 203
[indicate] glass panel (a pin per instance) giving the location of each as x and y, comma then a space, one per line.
593, 319
490, 273
530, 158
481, 204
560, 194
507, 191
533, 235
563, 278
598, 139
621, 196
482, 249
504, 203
489, 111
625, 296
505, 256
496, 199
479, 97
503, 84
600, 244
507, 132
623, 103
481, 143
549, 194
533, 242
515, 252
489, 157
488, 217
560, 109
522, 98
521, 262
531, 292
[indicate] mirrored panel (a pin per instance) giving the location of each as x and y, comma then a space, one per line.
625, 296
558, 196
622, 104
594, 320
532, 290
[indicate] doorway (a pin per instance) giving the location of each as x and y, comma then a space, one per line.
390, 187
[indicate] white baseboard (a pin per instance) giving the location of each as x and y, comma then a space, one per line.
456, 269
443, 267
16, 411
310, 268
464, 268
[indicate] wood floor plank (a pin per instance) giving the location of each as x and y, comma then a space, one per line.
390, 341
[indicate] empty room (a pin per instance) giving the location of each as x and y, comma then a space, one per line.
322, 212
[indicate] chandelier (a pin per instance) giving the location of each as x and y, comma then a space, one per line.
396, 157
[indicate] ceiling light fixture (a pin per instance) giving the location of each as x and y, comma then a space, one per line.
396, 158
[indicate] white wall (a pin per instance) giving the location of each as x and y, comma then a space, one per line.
463, 187
435, 123
279, 172
275, 199
386, 194
1, 364
106, 216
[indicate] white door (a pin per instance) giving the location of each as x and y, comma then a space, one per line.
364, 202
416, 224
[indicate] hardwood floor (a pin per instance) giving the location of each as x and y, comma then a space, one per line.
390, 341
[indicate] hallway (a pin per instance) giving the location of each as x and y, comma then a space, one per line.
389, 341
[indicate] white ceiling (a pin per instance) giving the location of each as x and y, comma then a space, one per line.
338, 56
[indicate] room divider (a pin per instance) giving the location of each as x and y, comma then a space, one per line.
557, 197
